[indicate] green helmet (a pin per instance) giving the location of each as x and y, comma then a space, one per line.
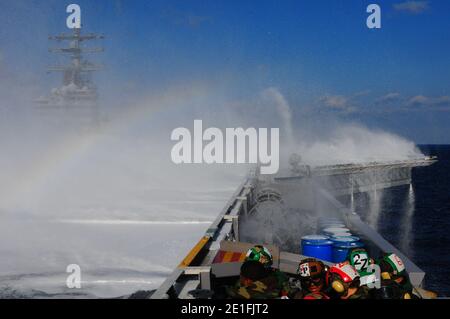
393, 265
359, 258
261, 254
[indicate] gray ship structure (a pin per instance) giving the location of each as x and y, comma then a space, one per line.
77, 97
277, 212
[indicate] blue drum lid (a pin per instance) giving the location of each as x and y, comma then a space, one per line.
344, 239
348, 245
343, 234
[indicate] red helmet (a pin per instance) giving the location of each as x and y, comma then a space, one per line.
341, 277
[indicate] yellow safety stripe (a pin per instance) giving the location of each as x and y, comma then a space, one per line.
194, 252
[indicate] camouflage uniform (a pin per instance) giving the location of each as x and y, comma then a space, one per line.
273, 286
395, 290
282, 282
362, 293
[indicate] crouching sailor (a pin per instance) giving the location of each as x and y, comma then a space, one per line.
344, 282
311, 273
360, 260
395, 283
258, 280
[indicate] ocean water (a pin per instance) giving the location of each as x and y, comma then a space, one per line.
417, 220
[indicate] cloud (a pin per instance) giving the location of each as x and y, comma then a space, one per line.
387, 103
422, 100
413, 7
412, 103
443, 100
419, 100
340, 103
389, 98
335, 101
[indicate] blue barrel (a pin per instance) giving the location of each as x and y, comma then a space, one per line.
317, 246
344, 239
343, 234
341, 249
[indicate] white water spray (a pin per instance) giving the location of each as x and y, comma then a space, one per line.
407, 220
284, 110
375, 201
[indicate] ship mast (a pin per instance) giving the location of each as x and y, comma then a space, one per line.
77, 84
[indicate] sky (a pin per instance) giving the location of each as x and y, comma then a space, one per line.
319, 54
168, 61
